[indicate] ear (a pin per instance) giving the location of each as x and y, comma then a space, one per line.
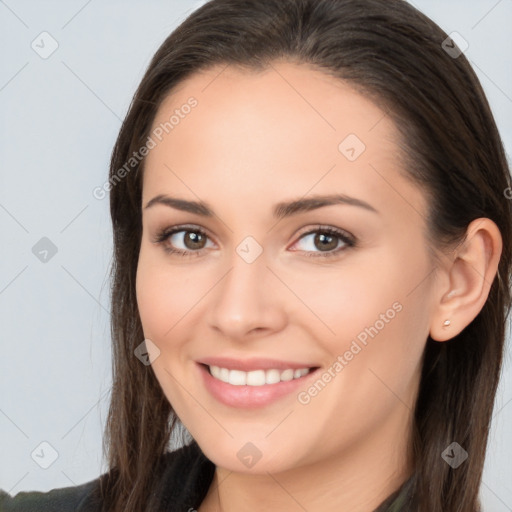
468, 276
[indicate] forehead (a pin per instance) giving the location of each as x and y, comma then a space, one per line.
307, 102
288, 128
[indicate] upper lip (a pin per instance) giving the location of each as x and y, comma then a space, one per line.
248, 365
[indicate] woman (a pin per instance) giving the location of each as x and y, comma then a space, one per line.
312, 261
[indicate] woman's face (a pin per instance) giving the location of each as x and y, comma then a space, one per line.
261, 286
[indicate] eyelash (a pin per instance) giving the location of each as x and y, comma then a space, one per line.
349, 240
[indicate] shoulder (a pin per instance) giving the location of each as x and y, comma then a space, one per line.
186, 477
74, 498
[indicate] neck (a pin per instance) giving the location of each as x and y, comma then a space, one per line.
357, 480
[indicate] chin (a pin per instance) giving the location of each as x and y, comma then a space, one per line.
250, 457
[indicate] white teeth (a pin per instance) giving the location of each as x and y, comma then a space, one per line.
237, 378
272, 376
256, 377
215, 371
287, 375
224, 375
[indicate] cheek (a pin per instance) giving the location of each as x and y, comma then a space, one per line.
374, 315
171, 299
380, 288
161, 300
337, 304
157, 303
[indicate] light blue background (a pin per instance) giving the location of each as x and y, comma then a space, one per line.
59, 120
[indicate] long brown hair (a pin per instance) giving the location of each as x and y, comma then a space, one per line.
451, 148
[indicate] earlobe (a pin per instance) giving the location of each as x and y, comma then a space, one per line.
470, 274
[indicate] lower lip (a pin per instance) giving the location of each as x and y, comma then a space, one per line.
249, 397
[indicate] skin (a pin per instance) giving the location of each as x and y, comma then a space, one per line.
253, 140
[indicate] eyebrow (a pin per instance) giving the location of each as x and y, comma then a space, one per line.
280, 211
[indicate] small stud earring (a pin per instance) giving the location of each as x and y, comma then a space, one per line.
446, 323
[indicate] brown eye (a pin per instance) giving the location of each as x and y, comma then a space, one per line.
325, 241
183, 241
193, 240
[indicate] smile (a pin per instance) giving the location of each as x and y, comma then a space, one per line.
260, 384
256, 377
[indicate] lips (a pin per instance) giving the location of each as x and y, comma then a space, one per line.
236, 392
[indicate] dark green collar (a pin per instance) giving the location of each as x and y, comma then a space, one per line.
400, 500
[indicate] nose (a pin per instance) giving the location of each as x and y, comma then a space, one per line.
247, 300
